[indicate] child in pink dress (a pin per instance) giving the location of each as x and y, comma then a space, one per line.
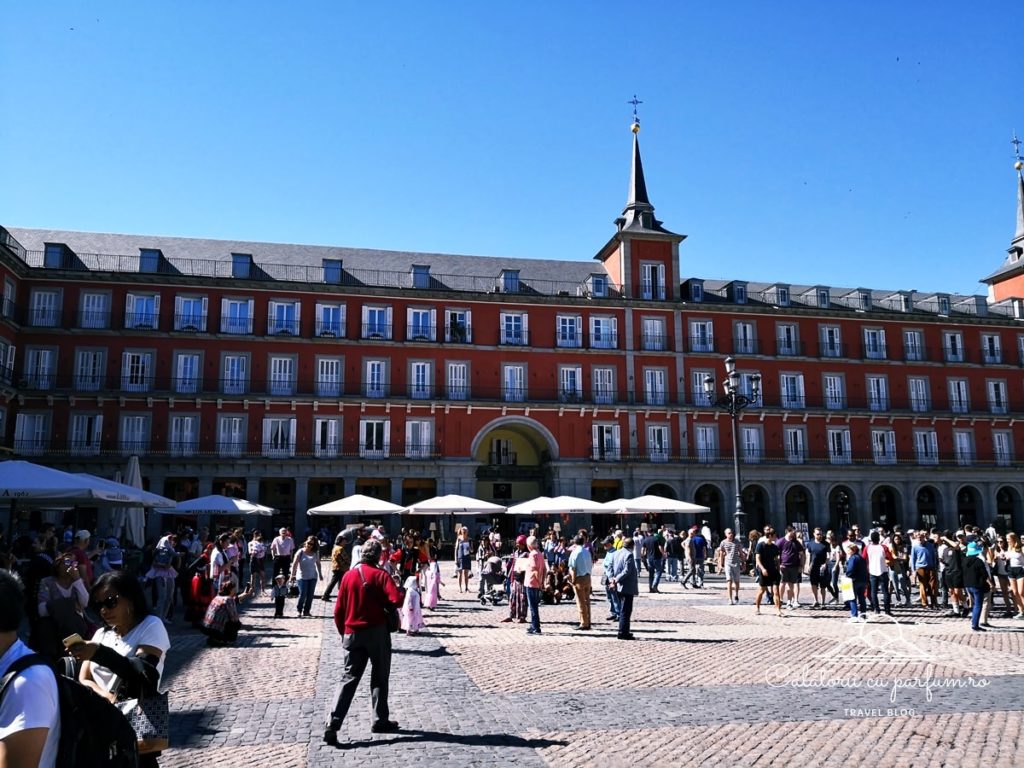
412, 612
433, 583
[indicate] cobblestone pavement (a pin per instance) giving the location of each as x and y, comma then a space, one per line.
705, 683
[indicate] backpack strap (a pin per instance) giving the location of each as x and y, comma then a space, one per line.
19, 666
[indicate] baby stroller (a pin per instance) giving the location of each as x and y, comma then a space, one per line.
492, 582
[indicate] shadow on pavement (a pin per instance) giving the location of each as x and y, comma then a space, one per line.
409, 736
436, 653
187, 728
688, 640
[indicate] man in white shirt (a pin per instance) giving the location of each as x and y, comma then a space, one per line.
879, 557
281, 549
29, 709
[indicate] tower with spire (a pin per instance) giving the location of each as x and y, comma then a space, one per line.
1007, 282
642, 256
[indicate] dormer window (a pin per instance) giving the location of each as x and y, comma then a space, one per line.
241, 265
823, 298
598, 286
739, 293
510, 281
782, 297
149, 259
332, 271
865, 300
420, 276
906, 303
697, 291
943, 305
54, 255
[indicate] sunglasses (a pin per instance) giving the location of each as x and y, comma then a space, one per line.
110, 603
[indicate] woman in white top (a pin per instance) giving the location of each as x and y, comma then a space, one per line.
125, 659
61, 605
257, 556
306, 566
1015, 570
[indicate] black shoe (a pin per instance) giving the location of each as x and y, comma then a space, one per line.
978, 629
386, 726
331, 737
611, 617
628, 636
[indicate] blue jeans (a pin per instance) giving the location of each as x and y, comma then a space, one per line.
859, 588
306, 588
673, 568
614, 603
977, 599
625, 614
533, 603
654, 565
883, 582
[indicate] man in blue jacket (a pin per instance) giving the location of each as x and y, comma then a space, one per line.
625, 580
924, 561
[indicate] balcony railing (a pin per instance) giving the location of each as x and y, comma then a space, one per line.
653, 342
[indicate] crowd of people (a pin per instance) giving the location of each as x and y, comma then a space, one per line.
107, 607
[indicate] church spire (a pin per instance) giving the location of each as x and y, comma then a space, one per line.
1018, 238
638, 213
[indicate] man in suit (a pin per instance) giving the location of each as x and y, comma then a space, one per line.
623, 577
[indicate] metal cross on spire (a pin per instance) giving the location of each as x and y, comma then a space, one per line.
635, 101
1016, 145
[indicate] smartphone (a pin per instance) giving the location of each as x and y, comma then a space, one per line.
74, 639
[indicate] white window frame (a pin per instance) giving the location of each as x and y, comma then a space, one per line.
374, 438
183, 434
44, 308
40, 368
743, 339
913, 345
838, 442
997, 400
791, 387
457, 380
953, 346
458, 325
376, 377
513, 382
236, 316
231, 435
751, 444
705, 443
235, 373
603, 332
883, 446
878, 393
419, 440
874, 344
86, 434
421, 324
330, 320
963, 447
796, 444
991, 348
787, 340
570, 384
959, 395
90, 369
659, 447
326, 437
514, 328
31, 433
834, 390
190, 313
1002, 448
652, 281
282, 372
136, 370
831, 341
283, 317
603, 384
142, 311
279, 436
919, 393
926, 446
568, 331
655, 386
373, 327
702, 336
188, 372
330, 376
134, 433
421, 379
606, 444
95, 310
652, 335
697, 393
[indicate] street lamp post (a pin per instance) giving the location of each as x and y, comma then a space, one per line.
734, 401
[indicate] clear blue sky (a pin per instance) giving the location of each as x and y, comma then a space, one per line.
851, 144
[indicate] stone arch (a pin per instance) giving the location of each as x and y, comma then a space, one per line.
842, 508
1008, 508
969, 507
927, 506
664, 490
799, 504
886, 505
529, 429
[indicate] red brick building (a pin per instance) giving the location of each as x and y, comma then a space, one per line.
296, 374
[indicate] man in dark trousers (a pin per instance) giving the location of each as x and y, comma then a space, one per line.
361, 621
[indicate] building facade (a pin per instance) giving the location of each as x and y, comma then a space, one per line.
299, 374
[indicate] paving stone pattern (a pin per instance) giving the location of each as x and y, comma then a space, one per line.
706, 683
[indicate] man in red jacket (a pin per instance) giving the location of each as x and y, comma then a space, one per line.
363, 625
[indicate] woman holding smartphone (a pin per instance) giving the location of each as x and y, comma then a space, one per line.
125, 659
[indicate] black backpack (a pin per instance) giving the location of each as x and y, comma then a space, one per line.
93, 732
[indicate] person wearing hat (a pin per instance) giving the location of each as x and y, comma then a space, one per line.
977, 581
279, 592
78, 547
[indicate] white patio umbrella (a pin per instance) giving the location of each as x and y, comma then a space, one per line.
527, 507
218, 505
653, 504
453, 504
567, 505
356, 504
135, 520
34, 484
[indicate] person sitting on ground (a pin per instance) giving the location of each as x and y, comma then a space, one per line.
221, 623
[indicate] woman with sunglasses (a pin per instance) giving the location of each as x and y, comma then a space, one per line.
306, 567
125, 658
62, 601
